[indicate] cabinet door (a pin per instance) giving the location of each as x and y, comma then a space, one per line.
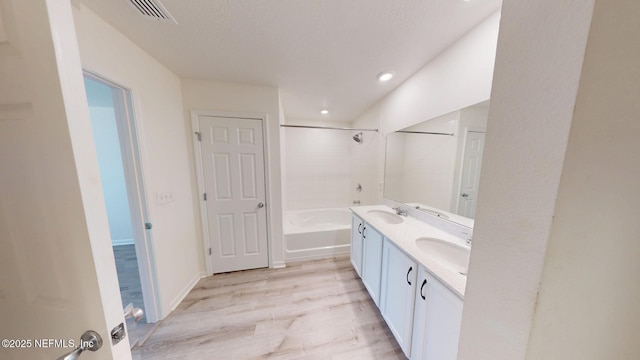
438, 313
357, 226
398, 293
372, 262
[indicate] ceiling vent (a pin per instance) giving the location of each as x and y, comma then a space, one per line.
153, 9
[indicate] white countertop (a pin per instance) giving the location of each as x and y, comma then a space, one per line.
404, 235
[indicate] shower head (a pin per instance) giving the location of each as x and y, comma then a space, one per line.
358, 137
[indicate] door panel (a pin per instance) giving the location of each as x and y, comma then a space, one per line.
372, 262
248, 177
470, 179
233, 170
52, 216
222, 181
356, 244
398, 285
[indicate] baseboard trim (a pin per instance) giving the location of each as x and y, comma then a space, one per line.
185, 291
278, 265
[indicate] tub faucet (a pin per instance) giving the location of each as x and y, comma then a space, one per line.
400, 211
468, 236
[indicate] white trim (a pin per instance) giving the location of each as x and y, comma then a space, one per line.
195, 126
120, 242
186, 290
133, 161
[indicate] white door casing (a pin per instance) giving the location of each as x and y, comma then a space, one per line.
231, 169
136, 195
57, 272
470, 174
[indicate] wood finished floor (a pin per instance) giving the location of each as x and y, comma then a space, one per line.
307, 311
131, 289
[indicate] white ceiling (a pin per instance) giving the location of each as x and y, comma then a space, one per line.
320, 53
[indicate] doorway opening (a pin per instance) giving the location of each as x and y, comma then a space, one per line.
115, 139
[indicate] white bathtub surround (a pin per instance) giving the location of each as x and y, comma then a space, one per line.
316, 233
404, 235
364, 169
322, 167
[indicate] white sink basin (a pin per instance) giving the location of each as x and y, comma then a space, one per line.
445, 252
386, 216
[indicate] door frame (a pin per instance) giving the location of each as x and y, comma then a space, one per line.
127, 126
197, 152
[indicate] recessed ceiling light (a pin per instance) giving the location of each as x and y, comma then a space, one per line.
324, 112
385, 76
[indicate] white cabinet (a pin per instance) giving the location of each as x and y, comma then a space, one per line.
438, 313
421, 312
372, 261
397, 295
357, 225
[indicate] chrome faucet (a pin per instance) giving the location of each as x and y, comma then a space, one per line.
400, 211
469, 235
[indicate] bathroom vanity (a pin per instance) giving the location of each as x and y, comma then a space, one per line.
416, 275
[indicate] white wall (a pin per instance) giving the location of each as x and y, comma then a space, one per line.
429, 162
538, 64
162, 135
587, 306
459, 77
212, 95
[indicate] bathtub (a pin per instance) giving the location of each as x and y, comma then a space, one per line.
316, 233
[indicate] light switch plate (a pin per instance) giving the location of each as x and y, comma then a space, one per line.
164, 197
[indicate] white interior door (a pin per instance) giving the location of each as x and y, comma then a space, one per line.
470, 178
57, 272
232, 152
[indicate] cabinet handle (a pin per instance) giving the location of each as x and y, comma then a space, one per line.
359, 226
422, 287
363, 234
409, 272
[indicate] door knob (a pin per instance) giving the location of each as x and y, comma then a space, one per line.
465, 195
135, 313
260, 205
90, 340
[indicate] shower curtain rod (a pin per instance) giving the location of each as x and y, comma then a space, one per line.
424, 132
326, 127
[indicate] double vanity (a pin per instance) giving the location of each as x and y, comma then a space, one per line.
416, 275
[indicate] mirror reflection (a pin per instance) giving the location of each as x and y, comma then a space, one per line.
435, 165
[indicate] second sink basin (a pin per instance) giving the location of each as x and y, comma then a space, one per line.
386, 216
446, 253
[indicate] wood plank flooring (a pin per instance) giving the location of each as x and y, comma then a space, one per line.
307, 311
131, 290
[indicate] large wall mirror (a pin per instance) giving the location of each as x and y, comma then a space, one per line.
434, 166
